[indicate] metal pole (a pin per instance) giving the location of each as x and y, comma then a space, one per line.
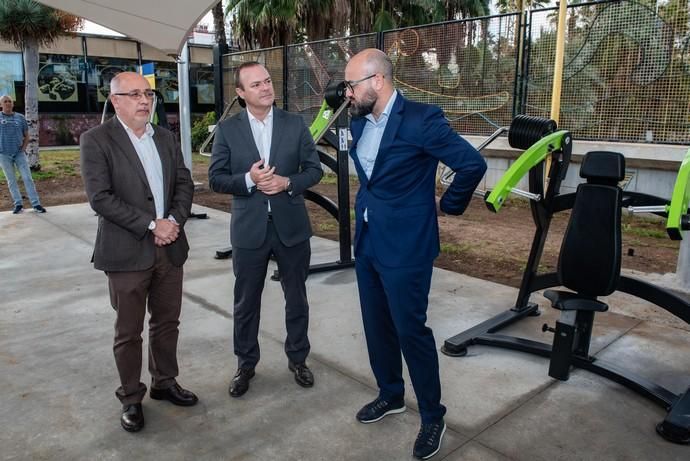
683, 267
185, 116
558, 62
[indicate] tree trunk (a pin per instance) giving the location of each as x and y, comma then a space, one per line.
31, 100
219, 23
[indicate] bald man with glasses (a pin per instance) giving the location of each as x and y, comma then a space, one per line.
397, 144
136, 180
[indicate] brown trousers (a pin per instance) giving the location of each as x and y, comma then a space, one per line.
161, 285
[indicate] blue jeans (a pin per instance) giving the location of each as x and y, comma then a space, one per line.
8, 162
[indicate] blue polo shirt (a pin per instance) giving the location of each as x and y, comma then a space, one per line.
12, 129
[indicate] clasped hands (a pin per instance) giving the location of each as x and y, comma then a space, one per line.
166, 232
266, 180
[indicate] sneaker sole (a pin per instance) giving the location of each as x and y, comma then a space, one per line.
389, 412
440, 442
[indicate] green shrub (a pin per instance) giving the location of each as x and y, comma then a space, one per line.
200, 129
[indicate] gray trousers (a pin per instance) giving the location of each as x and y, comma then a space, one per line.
249, 267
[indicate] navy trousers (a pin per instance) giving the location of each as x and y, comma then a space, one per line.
394, 303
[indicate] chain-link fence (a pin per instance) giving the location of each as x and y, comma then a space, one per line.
313, 65
626, 72
465, 67
625, 77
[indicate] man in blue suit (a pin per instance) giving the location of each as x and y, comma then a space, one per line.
396, 147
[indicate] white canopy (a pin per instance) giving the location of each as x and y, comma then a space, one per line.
163, 24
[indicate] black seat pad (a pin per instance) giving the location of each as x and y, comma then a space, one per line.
568, 301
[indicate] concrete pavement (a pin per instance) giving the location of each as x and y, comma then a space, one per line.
58, 377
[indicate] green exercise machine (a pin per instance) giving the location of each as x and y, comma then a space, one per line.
589, 262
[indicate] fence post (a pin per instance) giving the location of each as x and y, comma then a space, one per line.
219, 50
683, 266
379, 41
285, 77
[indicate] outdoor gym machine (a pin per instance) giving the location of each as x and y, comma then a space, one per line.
332, 127
558, 145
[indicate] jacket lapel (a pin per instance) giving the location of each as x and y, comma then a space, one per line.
122, 141
245, 130
166, 164
276, 134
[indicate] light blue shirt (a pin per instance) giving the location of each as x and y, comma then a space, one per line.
370, 141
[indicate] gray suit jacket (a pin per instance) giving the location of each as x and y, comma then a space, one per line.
118, 191
292, 153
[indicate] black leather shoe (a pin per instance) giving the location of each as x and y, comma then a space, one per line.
132, 418
240, 383
376, 410
175, 394
303, 374
429, 439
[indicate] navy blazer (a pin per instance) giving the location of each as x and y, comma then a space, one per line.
400, 195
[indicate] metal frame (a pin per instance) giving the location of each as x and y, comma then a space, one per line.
676, 425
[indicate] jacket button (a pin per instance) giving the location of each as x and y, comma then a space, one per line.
149, 198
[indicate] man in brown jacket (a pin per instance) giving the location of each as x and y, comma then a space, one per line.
137, 182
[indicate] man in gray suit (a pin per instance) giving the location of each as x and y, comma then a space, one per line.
266, 158
137, 182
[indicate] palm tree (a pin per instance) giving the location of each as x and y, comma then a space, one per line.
219, 23
28, 25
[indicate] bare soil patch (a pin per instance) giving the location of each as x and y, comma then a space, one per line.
480, 243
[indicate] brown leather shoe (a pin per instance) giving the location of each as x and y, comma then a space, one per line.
176, 395
303, 374
132, 418
240, 383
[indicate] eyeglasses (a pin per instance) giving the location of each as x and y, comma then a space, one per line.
351, 84
137, 94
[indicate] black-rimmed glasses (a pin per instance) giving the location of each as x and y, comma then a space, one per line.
137, 94
351, 84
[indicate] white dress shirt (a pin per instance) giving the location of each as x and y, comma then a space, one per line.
262, 131
151, 161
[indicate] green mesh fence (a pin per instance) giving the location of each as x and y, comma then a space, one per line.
313, 65
271, 58
626, 75
465, 67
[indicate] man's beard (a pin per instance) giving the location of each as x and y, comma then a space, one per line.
363, 107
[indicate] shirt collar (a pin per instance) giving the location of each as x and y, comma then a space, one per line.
267, 119
386, 110
149, 129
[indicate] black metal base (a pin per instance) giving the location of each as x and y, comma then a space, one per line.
324, 267
223, 254
198, 215
454, 346
676, 427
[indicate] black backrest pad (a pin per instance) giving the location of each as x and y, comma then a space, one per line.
603, 167
590, 259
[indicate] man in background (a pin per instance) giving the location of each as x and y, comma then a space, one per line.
14, 137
